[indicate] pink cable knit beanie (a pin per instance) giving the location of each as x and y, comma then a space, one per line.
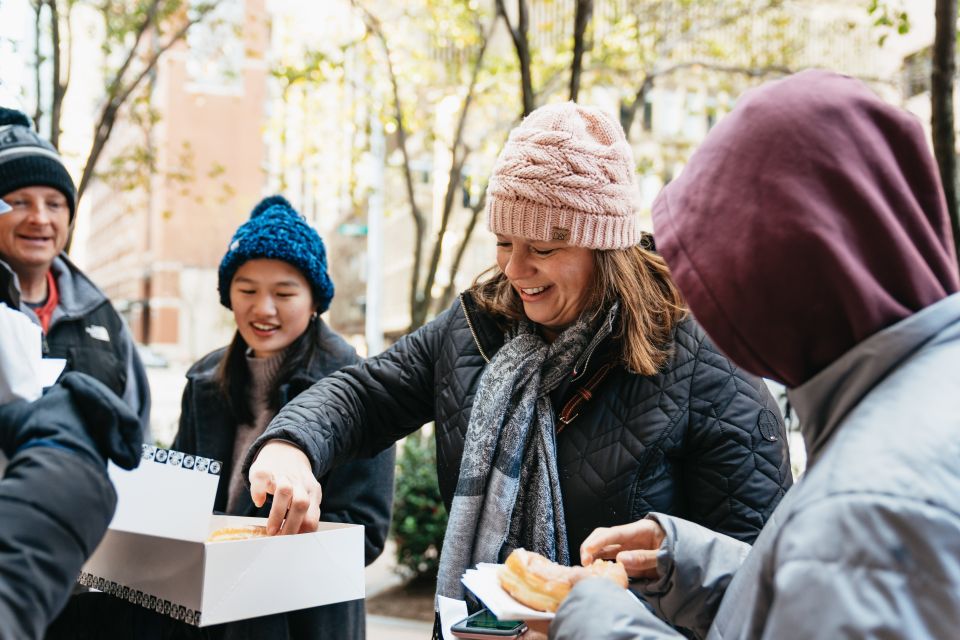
566, 173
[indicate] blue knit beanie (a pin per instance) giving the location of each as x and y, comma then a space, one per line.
275, 231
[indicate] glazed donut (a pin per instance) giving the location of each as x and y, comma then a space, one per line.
541, 584
238, 533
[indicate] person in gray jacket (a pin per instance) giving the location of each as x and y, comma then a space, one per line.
841, 282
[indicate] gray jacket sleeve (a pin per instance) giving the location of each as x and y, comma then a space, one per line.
695, 566
600, 610
869, 568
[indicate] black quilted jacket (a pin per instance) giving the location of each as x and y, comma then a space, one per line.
702, 440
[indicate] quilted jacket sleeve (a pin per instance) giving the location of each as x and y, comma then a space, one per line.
736, 464
362, 409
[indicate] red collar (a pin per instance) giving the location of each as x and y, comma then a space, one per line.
45, 312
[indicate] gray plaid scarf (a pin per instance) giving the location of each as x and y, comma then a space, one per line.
508, 493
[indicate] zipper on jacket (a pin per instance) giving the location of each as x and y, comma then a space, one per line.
473, 331
605, 330
586, 364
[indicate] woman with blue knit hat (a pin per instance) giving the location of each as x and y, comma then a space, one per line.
274, 278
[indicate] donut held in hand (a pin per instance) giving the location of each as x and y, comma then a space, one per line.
541, 584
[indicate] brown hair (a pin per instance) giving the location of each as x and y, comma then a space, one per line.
650, 303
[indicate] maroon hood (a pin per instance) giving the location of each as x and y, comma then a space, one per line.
809, 219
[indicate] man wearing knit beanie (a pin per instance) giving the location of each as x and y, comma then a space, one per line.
566, 173
78, 321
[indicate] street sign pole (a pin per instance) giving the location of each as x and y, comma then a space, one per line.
374, 330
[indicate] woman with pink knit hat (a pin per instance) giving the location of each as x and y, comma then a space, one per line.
569, 387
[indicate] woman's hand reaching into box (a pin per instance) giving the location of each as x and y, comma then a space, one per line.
283, 471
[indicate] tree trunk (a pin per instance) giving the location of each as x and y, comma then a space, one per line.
941, 102
58, 88
580, 21
522, 47
451, 289
628, 112
38, 60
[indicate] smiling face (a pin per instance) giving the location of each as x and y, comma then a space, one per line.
552, 279
272, 304
35, 231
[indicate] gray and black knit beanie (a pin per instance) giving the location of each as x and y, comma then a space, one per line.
275, 231
27, 160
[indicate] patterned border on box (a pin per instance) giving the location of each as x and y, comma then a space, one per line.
180, 459
165, 607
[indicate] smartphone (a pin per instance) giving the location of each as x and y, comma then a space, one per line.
483, 625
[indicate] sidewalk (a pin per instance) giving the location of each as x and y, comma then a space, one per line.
381, 576
383, 628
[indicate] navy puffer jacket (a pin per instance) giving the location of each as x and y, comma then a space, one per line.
701, 439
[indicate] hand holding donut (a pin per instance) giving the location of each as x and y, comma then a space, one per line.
633, 545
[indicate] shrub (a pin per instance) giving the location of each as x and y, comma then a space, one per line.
419, 517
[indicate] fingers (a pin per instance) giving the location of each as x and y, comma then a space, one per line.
283, 471
300, 510
536, 629
639, 563
261, 483
295, 508
282, 494
609, 542
601, 543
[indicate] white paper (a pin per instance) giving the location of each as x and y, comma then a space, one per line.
452, 611
484, 584
4, 207
20, 354
49, 371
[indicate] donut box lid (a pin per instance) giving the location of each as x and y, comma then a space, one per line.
170, 494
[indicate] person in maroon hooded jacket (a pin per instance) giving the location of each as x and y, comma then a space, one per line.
810, 237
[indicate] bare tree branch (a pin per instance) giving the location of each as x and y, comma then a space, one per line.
120, 92
38, 14
459, 154
522, 46
941, 102
419, 220
665, 49
451, 288
59, 89
628, 112
581, 19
